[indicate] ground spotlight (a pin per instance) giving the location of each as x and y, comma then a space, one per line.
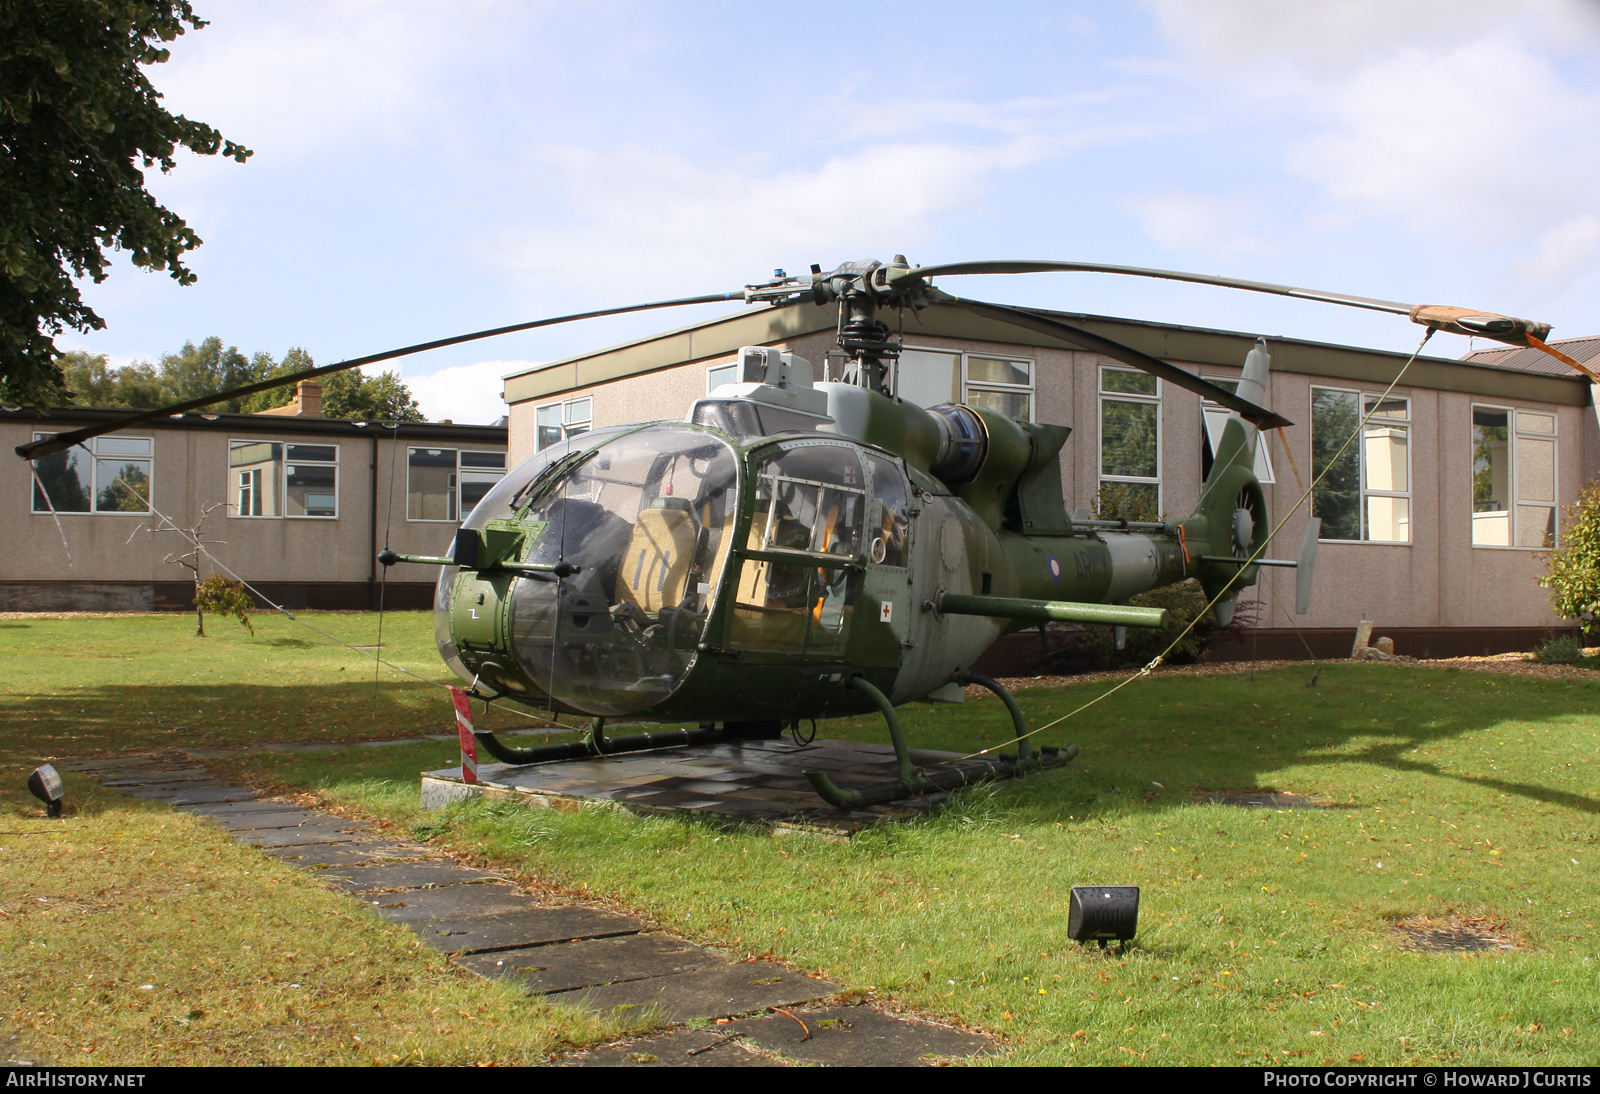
1104, 913
45, 783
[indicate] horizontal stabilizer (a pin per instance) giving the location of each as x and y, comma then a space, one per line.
1308, 567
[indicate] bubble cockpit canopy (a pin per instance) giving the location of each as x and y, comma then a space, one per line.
646, 516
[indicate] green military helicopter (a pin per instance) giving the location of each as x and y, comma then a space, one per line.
800, 550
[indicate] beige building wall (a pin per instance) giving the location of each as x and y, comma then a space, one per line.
190, 473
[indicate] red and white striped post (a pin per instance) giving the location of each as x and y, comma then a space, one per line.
469, 743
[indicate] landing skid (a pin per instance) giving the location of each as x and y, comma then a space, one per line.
910, 781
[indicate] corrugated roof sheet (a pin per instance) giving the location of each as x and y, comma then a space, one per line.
1528, 359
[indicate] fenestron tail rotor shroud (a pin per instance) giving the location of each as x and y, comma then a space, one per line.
867, 285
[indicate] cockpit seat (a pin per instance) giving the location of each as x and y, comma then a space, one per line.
656, 567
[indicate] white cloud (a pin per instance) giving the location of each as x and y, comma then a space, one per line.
1458, 141
1563, 252
1262, 39
1456, 118
1203, 224
680, 223
465, 394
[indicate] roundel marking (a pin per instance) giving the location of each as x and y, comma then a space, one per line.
1053, 564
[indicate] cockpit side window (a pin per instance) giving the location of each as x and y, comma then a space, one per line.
811, 498
888, 525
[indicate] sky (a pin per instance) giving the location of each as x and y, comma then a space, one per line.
427, 169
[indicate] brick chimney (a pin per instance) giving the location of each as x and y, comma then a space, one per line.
307, 401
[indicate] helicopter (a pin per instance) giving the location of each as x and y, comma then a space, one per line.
795, 549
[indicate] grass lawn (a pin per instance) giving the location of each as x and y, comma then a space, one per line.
1265, 935
133, 934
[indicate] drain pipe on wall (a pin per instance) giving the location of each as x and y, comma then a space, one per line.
372, 538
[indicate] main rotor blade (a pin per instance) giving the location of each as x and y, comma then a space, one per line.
1015, 267
1077, 336
63, 441
1510, 329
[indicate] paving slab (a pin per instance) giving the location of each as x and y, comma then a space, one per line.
705, 993
235, 809
177, 778
340, 831
405, 875
680, 1048
452, 902
515, 930
261, 822
592, 962
859, 1036
199, 793
357, 852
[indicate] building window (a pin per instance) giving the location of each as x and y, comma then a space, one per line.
927, 377
255, 471
555, 422
1513, 478
1003, 384
445, 484
113, 476
1367, 492
1130, 445
311, 480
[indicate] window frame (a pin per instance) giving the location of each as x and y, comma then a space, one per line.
336, 463
231, 507
90, 449
1514, 433
1155, 400
458, 482
1408, 423
568, 419
969, 385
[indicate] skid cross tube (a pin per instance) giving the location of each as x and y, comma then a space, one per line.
910, 780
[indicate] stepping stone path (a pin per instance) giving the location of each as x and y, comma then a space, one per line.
765, 1014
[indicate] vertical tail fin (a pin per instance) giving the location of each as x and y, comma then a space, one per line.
1231, 518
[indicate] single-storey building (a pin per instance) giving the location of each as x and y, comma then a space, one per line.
1434, 525
294, 503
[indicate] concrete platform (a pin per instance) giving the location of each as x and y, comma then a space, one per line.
740, 781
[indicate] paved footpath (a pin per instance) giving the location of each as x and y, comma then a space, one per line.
766, 1014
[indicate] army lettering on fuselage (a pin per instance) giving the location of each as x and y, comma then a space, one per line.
1090, 565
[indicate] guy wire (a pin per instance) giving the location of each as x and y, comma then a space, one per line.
1156, 661
383, 579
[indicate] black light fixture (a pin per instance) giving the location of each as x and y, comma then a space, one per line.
46, 785
1104, 913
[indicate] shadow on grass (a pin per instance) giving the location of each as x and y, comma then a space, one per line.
111, 718
1190, 734
1198, 734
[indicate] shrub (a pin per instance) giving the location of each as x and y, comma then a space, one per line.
1560, 650
224, 596
1574, 567
1183, 602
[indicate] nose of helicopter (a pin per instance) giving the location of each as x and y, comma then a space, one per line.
645, 518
